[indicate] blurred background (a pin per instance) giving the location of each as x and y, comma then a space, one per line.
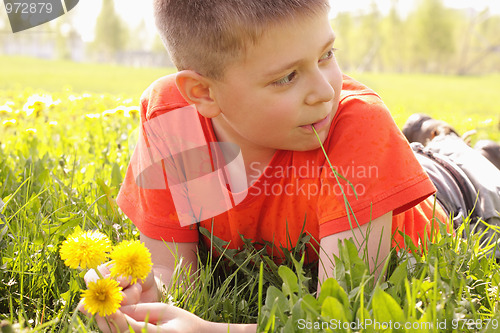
431, 36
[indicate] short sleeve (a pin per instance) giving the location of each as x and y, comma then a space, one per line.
366, 147
145, 196
152, 211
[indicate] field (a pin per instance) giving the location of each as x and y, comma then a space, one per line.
64, 148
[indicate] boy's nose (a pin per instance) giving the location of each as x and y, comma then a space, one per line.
321, 91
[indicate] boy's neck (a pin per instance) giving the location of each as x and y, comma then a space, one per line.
255, 158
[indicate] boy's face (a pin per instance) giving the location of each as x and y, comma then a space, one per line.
285, 83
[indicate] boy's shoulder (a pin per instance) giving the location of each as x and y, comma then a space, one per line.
160, 97
355, 89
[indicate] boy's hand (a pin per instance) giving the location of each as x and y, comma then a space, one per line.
151, 317
149, 288
162, 317
117, 322
132, 294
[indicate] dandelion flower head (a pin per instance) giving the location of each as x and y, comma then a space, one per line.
9, 122
5, 109
132, 111
102, 297
131, 259
86, 249
36, 104
31, 131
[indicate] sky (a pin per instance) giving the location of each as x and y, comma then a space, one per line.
85, 13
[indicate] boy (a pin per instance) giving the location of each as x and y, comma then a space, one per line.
262, 78
473, 169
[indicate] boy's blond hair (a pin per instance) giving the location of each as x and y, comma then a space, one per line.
208, 35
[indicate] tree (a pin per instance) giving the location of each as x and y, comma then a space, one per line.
393, 51
431, 31
368, 40
139, 37
110, 32
343, 26
480, 45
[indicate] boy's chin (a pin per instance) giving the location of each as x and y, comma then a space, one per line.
312, 145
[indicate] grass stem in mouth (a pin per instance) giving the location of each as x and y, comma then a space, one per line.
348, 207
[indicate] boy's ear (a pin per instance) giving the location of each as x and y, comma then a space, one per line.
196, 89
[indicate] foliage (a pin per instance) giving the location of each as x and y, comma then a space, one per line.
60, 167
431, 38
110, 31
452, 287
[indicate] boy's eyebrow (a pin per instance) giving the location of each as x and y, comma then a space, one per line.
282, 69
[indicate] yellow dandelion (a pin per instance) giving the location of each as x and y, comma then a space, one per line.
131, 259
93, 115
85, 249
9, 123
54, 104
120, 111
108, 113
132, 111
34, 109
102, 297
53, 123
5, 109
31, 131
37, 103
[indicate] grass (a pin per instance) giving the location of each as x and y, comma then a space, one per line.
19, 73
465, 102
61, 167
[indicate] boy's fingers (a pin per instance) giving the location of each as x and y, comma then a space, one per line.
123, 281
149, 312
80, 307
114, 323
132, 294
139, 326
92, 275
120, 323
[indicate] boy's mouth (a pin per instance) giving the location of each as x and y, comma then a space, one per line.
318, 125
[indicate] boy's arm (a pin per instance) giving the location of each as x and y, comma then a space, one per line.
164, 315
163, 256
379, 245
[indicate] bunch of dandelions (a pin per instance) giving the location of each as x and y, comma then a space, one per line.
88, 250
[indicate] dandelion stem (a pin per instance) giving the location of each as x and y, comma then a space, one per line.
99, 273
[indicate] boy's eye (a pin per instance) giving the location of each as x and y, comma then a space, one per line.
328, 55
285, 80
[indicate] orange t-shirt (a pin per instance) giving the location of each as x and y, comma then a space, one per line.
296, 192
